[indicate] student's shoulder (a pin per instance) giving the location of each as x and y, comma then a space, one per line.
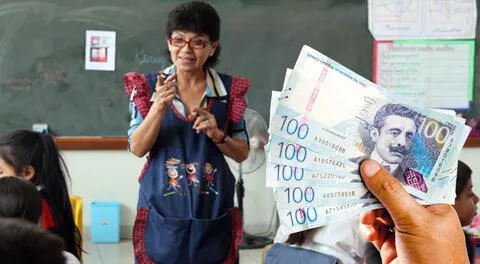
70, 258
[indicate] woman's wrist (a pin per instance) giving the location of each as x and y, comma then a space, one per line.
158, 108
220, 137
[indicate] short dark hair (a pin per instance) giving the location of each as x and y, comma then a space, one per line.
19, 199
24, 243
394, 109
464, 174
198, 17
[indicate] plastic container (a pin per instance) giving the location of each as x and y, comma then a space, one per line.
105, 217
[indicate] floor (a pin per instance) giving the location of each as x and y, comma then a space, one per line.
122, 253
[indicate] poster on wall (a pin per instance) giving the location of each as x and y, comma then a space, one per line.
100, 50
422, 19
431, 73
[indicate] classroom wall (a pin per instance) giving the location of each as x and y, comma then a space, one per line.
112, 175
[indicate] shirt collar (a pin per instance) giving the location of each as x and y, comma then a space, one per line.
214, 87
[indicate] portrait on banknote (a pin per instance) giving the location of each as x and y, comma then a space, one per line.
389, 136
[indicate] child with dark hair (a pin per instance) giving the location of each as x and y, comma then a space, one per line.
34, 157
25, 243
20, 199
466, 202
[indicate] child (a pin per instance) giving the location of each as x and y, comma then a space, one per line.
466, 202
24, 243
20, 199
35, 157
338, 242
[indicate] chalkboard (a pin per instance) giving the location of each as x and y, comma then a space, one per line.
42, 50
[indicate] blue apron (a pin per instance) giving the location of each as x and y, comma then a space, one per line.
186, 193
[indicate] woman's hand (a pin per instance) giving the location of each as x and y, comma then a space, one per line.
205, 122
165, 92
142, 140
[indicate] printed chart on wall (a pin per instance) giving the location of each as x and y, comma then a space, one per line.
422, 19
437, 74
100, 50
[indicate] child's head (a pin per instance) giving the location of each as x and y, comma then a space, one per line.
34, 156
31, 155
19, 199
23, 242
466, 200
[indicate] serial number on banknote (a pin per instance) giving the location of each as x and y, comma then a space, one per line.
327, 161
328, 176
329, 144
339, 208
343, 194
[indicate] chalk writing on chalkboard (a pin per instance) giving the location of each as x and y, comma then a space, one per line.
141, 57
43, 75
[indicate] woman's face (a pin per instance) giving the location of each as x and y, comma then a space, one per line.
192, 55
466, 204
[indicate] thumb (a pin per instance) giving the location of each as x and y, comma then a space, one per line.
388, 190
171, 78
160, 80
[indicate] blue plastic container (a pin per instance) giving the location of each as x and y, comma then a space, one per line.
105, 217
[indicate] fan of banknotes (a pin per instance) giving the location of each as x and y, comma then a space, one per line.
328, 119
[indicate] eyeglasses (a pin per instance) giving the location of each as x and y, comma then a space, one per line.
193, 43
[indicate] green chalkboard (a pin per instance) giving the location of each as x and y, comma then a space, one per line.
42, 50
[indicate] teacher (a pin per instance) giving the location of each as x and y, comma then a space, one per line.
187, 117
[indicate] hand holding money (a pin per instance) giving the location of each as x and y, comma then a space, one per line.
406, 232
328, 119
